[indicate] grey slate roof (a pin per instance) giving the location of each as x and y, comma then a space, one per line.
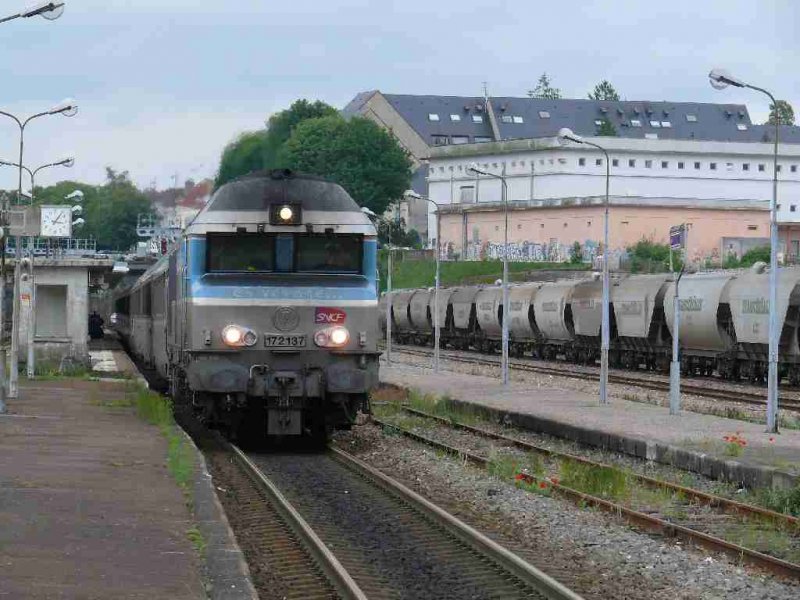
718, 122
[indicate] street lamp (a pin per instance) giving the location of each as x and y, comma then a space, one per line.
504, 364
566, 135
48, 10
719, 80
68, 108
436, 324
30, 366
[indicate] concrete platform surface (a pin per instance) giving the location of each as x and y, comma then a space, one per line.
87, 506
690, 440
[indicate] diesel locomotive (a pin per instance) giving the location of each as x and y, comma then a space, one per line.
724, 321
264, 316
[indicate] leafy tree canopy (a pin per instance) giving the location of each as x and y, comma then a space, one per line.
356, 153
604, 91
782, 112
241, 156
543, 89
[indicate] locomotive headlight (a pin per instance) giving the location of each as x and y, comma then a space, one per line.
339, 336
332, 337
233, 335
286, 213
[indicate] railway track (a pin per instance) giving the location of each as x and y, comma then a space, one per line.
702, 518
696, 389
375, 538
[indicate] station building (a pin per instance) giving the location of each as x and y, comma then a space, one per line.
706, 165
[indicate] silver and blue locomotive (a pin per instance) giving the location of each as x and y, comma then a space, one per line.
264, 315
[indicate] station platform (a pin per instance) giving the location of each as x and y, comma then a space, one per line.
691, 441
88, 508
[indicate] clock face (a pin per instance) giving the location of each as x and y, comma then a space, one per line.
56, 221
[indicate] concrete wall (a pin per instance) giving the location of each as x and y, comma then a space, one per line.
73, 340
548, 233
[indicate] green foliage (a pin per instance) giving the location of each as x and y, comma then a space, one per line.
393, 231
749, 258
356, 153
577, 254
606, 128
781, 500
544, 90
243, 155
604, 91
782, 112
647, 256
606, 482
110, 210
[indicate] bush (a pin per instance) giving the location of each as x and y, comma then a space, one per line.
647, 256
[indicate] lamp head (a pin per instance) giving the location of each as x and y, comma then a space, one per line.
77, 209
473, 168
49, 10
368, 212
67, 107
412, 194
565, 135
67, 162
78, 222
720, 79
77, 195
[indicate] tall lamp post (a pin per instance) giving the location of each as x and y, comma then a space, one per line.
30, 366
436, 323
719, 80
473, 168
49, 10
68, 108
566, 135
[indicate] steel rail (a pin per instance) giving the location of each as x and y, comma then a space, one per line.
344, 584
536, 579
770, 563
740, 397
707, 499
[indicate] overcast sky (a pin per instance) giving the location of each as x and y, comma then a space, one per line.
163, 85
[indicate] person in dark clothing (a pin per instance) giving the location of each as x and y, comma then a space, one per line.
95, 326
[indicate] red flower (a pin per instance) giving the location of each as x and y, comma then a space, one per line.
519, 476
554, 480
542, 485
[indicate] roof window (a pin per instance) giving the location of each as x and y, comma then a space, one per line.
691, 118
518, 119
543, 114
655, 123
455, 117
440, 140
636, 123
506, 119
741, 126
598, 122
482, 138
666, 124
459, 139
477, 118
433, 117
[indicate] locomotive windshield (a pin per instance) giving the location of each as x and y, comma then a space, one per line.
238, 253
328, 254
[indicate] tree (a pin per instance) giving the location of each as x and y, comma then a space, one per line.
543, 89
604, 91
356, 153
782, 112
243, 155
606, 128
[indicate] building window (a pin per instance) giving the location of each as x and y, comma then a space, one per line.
543, 114
666, 124
518, 119
460, 139
433, 117
598, 162
655, 124
761, 168
680, 165
741, 127
467, 194
697, 165
651, 136
581, 162
614, 162
664, 164
631, 162
477, 118
440, 140
506, 119
691, 118
636, 123
745, 166
793, 168
455, 117
752, 227
588, 223
648, 164
712, 166
792, 207
482, 138
522, 163
729, 166
779, 168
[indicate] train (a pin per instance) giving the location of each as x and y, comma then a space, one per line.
262, 317
724, 321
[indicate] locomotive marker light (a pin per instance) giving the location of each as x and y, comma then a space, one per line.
719, 80
436, 324
473, 167
233, 335
566, 135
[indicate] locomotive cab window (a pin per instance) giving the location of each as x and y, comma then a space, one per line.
328, 253
240, 253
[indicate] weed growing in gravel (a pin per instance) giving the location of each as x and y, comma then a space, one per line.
606, 482
785, 501
504, 466
444, 407
734, 444
198, 541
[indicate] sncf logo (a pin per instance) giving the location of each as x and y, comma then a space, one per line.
329, 316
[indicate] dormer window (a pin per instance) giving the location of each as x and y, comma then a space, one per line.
477, 118
691, 118
543, 114
433, 117
455, 117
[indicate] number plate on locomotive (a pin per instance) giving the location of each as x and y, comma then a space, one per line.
281, 340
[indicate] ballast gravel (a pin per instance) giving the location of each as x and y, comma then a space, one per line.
594, 554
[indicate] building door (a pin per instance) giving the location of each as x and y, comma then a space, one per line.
51, 311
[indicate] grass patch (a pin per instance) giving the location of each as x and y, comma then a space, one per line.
785, 501
443, 406
505, 466
606, 482
198, 541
